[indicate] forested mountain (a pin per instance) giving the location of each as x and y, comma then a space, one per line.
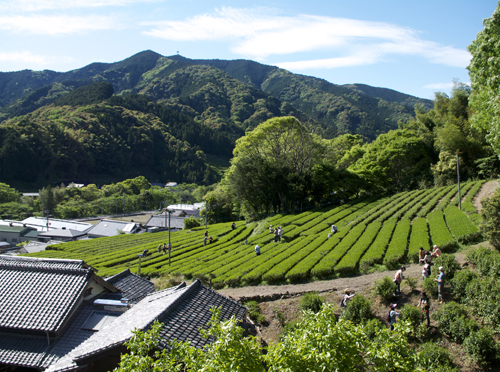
74, 124
115, 139
228, 95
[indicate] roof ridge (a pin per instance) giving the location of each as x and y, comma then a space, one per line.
35, 267
118, 276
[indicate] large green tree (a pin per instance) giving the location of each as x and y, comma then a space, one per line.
484, 72
279, 166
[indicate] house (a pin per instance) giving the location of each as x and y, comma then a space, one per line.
182, 310
47, 224
62, 234
48, 307
16, 234
161, 222
106, 228
58, 315
187, 209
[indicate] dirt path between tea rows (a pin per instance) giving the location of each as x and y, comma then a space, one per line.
337, 286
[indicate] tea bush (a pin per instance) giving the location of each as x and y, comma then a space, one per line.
311, 301
358, 310
385, 288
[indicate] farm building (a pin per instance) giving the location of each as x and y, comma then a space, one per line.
106, 228
59, 315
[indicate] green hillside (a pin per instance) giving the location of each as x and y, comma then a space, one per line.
230, 96
121, 138
378, 230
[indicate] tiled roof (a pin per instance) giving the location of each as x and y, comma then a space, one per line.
22, 350
131, 285
140, 316
182, 309
38, 294
183, 321
62, 233
73, 336
159, 221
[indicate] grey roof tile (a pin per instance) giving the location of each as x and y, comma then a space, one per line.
131, 285
182, 309
30, 288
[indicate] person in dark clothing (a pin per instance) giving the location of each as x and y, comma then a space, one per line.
425, 305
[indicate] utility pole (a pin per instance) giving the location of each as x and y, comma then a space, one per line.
458, 177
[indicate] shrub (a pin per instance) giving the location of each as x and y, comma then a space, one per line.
372, 327
459, 283
411, 314
453, 320
385, 288
449, 263
433, 357
311, 301
430, 287
491, 219
358, 310
254, 312
191, 222
481, 346
411, 283
279, 316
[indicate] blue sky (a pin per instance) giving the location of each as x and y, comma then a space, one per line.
415, 47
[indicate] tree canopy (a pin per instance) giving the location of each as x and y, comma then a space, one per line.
484, 72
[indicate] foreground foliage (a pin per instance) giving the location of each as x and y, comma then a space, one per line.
317, 342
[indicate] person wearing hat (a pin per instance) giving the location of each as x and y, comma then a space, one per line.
440, 281
347, 297
425, 305
257, 250
398, 278
392, 316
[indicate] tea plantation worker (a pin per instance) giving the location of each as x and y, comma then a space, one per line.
425, 271
334, 229
271, 230
427, 258
440, 281
398, 278
233, 226
436, 252
210, 239
421, 255
280, 233
392, 316
159, 248
276, 235
427, 268
257, 250
347, 297
205, 238
164, 248
425, 305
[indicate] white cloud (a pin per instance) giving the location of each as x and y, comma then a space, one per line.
37, 5
258, 34
55, 25
23, 57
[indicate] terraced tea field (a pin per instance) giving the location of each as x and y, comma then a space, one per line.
377, 230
